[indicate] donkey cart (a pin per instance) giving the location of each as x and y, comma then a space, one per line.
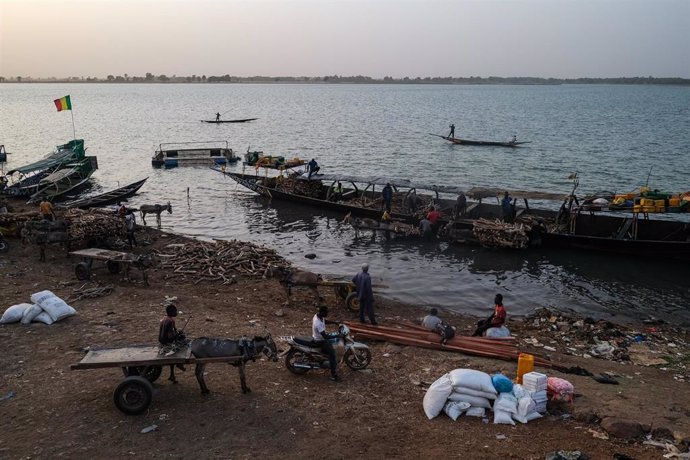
141, 366
345, 289
114, 261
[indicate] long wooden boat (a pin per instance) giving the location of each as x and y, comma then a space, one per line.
459, 141
69, 178
240, 120
104, 199
203, 153
24, 180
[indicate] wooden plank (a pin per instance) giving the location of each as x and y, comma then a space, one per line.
142, 356
105, 254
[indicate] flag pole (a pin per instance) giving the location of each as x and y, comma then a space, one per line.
74, 131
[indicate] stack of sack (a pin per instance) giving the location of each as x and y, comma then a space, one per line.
47, 308
473, 392
536, 383
460, 391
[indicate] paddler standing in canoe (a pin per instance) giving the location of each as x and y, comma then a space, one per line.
217, 116
452, 131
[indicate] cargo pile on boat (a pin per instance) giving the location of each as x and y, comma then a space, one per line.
497, 234
310, 188
218, 261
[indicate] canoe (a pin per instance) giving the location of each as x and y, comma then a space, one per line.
70, 178
458, 141
104, 199
241, 120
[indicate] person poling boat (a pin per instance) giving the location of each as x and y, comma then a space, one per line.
217, 116
452, 131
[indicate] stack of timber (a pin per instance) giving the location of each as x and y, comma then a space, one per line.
310, 188
497, 234
409, 334
93, 224
219, 260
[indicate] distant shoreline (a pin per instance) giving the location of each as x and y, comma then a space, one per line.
195, 79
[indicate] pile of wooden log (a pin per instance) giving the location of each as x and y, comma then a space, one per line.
497, 234
310, 188
87, 224
403, 333
219, 260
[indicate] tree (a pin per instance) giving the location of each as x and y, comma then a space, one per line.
110, 78
149, 76
19, 79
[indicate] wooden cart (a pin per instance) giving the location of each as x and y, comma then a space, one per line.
114, 261
141, 366
345, 289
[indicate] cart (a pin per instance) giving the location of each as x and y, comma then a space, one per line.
141, 366
345, 289
114, 261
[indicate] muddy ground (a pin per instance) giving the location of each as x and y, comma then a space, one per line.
57, 412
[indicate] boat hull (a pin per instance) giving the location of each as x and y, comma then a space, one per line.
241, 120
107, 198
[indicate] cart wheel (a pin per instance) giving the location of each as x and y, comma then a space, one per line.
83, 271
352, 302
341, 291
133, 395
113, 267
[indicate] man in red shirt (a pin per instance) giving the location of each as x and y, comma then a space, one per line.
497, 318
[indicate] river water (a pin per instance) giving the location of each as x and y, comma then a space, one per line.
613, 136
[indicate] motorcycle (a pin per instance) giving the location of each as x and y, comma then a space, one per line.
303, 355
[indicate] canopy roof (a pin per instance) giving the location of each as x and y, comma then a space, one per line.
73, 150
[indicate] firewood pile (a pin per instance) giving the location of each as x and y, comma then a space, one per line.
310, 188
219, 260
13, 219
93, 223
497, 234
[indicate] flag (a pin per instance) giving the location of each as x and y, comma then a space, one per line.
63, 103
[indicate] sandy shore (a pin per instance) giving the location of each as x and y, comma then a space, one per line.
373, 414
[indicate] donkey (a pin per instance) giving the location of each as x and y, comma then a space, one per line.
289, 277
156, 209
244, 349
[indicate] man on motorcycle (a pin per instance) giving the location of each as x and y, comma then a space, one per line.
321, 338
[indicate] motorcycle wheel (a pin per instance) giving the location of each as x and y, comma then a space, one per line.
358, 358
293, 356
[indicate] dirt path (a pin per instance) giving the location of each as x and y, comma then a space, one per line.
61, 413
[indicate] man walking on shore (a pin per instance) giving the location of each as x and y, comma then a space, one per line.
365, 295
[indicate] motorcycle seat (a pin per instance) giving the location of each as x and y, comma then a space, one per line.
306, 341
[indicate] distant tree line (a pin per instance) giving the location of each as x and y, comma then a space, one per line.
358, 79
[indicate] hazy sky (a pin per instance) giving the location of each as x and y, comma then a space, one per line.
543, 38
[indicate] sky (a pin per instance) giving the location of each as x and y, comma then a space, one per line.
377, 38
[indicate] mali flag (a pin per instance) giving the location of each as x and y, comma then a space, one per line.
63, 103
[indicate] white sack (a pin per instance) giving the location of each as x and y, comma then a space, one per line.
474, 401
503, 417
471, 392
498, 332
14, 313
53, 305
469, 378
436, 396
475, 412
526, 418
519, 391
44, 318
526, 406
31, 313
455, 409
506, 402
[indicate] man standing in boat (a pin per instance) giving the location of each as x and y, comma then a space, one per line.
507, 208
217, 116
452, 131
387, 194
312, 167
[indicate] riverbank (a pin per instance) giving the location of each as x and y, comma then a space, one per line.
372, 414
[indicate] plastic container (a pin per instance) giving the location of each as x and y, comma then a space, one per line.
658, 203
637, 208
661, 209
648, 208
525, 365
674, 201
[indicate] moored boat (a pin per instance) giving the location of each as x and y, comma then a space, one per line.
69, 178
205, 153
24, 180
106, 198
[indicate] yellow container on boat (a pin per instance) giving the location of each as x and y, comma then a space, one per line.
525, 365
658, 203
648, 208
674, 201
660, 208
637, 208
646, 202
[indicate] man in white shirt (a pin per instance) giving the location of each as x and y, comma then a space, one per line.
320, 336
